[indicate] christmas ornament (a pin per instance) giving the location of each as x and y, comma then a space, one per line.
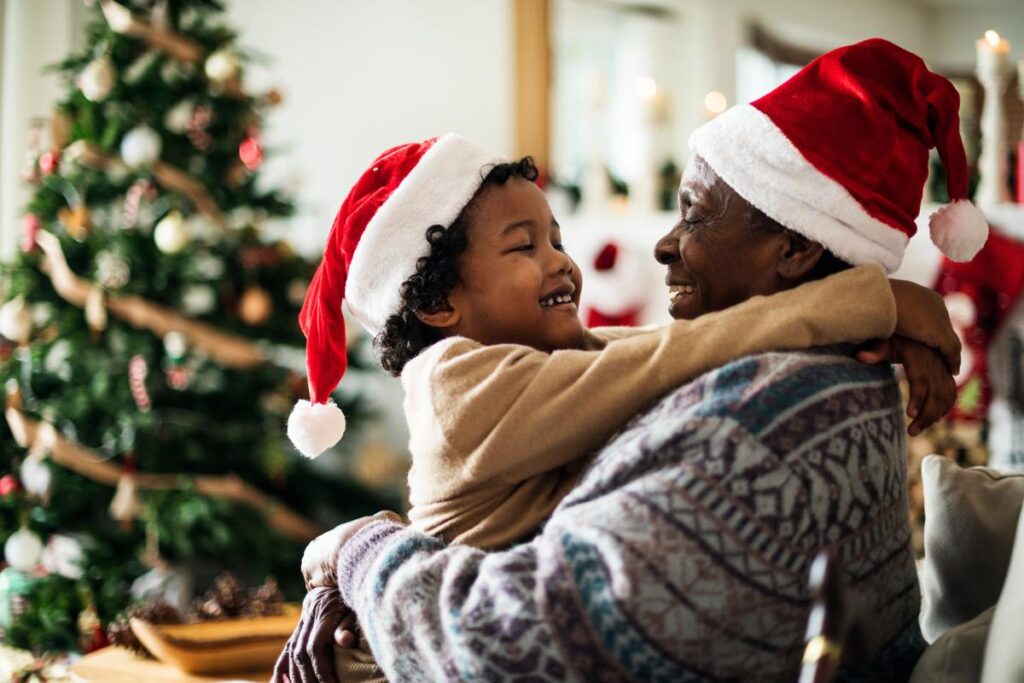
140, 189
296, 292
255, 306
179, 116
274, 97
16, 320
14, 587
172, 233
126, 505
97, 79
140, 147
198, 299
202, 117
49, 162
221, 66
137, 371
76, 221
56, 359
250, 151
23, 549
208, 266
176, 345
30, 226
112, 271
8, 485
63, 555
616, 288
36, 477
91, 636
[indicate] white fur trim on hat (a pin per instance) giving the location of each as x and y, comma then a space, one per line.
757, 160
315, 427
959, 229
433, 193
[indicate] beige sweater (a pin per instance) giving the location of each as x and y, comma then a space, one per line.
498, 434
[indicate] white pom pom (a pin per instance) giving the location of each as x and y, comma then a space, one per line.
959, 229
315, 427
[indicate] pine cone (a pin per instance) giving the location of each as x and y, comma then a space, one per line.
155, 611
266, 600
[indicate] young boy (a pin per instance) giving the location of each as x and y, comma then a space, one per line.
506, 392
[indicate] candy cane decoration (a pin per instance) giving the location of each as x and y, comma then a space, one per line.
137, 371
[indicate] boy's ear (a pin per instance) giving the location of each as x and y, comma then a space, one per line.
797, 255
442, 319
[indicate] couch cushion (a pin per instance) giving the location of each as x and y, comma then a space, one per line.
1004, 657
970, 520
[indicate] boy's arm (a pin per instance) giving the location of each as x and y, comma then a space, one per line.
509, 412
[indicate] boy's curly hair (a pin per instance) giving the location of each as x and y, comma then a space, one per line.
404, 335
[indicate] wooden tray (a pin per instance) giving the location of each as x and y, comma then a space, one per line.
218, 646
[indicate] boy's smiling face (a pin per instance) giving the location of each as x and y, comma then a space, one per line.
516, 284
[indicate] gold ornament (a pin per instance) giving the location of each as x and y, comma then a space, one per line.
76, 221
16, 320
222, 66
255, 306
172, 233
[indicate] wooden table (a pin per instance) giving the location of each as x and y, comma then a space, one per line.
117, 665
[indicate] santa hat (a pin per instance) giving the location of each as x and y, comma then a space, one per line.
377, 237
839, 154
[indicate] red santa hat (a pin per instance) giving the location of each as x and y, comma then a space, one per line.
839, 154
374, 243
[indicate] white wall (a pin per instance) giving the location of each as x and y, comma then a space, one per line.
948, 47
360, 76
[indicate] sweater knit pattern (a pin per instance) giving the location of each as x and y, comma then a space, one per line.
683, 553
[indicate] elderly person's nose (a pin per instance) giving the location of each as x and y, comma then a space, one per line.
666, 250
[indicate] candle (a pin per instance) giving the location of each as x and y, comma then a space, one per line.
993, 53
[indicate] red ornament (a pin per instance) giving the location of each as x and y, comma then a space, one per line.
30, 226
251, 152
49, 162
8, 485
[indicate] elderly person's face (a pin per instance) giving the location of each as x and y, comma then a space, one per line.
719, 255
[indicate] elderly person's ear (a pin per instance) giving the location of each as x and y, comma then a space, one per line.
797, 255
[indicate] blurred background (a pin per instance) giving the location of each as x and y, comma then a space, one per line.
179, 162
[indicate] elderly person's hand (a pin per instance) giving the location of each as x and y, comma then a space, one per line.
932, 387
308, 655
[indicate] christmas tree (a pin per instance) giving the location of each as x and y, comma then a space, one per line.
150, 351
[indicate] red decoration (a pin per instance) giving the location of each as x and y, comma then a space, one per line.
1020, 172
606, 258
30, 226
992, 282
137, 371
250, 151
49, 162
8, 485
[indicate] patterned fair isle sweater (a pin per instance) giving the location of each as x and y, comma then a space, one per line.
682, 554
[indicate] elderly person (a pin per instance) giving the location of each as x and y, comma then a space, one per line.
683, 551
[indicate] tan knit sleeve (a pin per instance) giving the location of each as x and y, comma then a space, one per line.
509, 412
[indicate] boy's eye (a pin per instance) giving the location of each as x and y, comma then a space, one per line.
559, 246
523, 247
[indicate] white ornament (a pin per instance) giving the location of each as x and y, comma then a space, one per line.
16, 320
175, 344
221, 66
168, 582
198, 299
23, 549
208, 266
42, 313
177, 117
140, 146
172, 233
36, 477
56, 360
97, 79
112, 271
63, 555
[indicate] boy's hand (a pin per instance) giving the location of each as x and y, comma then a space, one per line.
932, 388
921, 316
